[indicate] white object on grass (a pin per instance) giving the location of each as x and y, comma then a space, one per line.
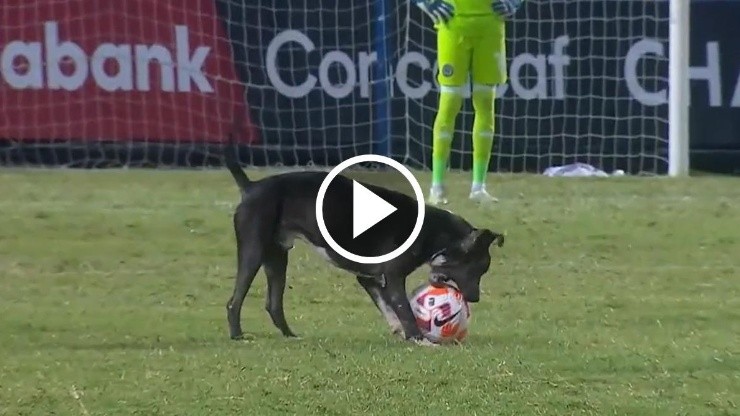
579, 170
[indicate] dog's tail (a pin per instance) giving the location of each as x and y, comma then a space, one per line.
231, 161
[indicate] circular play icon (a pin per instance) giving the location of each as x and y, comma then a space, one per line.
374, 211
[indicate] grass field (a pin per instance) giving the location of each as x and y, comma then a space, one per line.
611, 297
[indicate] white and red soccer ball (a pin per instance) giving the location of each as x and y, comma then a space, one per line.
441, 312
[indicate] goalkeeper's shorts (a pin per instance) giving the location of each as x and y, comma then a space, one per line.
472, 46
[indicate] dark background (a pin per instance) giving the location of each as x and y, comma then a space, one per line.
598, 121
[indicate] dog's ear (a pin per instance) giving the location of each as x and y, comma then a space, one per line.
481, 239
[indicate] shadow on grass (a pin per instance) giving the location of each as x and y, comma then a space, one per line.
262, 339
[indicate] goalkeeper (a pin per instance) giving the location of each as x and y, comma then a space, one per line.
470, 41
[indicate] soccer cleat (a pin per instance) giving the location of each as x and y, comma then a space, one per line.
482, 196
437, 196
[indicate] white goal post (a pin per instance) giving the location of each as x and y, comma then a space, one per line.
678, 98
162, 83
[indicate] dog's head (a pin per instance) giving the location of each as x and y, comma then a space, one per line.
465, 262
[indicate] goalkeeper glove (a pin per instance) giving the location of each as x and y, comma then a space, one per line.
506, 8
439, 10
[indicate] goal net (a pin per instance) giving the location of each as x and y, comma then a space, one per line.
587, 83
301, 82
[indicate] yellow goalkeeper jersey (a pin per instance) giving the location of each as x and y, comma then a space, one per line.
472, 7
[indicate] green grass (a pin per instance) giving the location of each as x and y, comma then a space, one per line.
611, 297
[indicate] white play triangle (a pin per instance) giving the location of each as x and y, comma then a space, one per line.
368, 209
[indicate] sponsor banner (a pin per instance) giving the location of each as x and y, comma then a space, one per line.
715, 76
292, 54
155, 70
587, 79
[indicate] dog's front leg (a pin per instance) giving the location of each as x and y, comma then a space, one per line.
396, 294
375, 290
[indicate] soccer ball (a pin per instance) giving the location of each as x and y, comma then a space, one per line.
441, 313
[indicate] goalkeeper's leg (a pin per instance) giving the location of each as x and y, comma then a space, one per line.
453, 54
450, 101
488, 69
483, 128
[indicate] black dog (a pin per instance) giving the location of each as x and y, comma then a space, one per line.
276, 210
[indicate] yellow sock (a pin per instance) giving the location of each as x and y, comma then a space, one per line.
483, 127
450, 102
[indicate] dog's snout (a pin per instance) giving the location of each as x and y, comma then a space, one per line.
471, 296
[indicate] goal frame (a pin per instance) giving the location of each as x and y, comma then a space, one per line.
678, 89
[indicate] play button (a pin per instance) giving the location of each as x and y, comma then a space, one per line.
368, 209
382, 222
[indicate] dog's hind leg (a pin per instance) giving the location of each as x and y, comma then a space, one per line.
275, 263
249, 262
373, 289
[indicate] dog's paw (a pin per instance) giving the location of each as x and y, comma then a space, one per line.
243, 337
424, 342
398, 331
